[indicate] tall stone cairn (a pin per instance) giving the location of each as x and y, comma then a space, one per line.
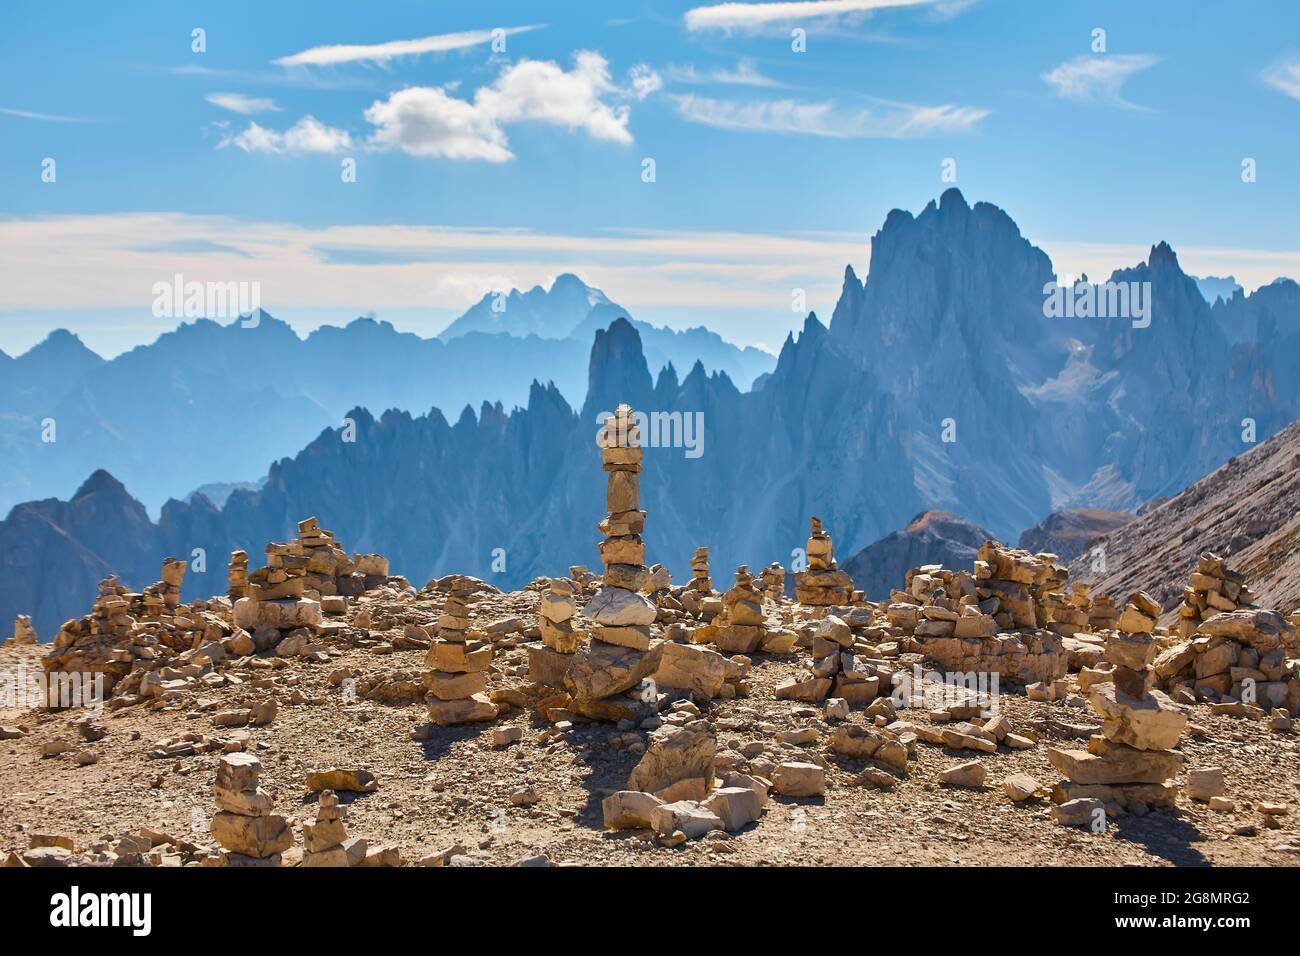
823, 584
774, 582
742, 630
700, 580
622, 650
1131, 761
237, 575
244, 825
457, 684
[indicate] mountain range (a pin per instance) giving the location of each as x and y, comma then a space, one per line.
940, 383
227, 400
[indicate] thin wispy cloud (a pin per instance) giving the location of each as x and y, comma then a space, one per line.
885, 121
1284, 77
244, 105
746, 73
1099, 78
757, 16
47, 117
383, 52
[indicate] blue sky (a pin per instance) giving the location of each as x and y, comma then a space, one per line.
477, 169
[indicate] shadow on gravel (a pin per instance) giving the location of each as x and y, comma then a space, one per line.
1164, 835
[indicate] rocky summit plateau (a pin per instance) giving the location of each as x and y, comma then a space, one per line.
323, 710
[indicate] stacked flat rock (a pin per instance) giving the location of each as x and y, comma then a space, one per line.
1069, 614
1130, 762
1102, 613
622, 649
700, 580
457, 683
557, 610
1214, 589
237, 575
823, 584
658, 582
741, 628
173, 576
276, 595
24, 633
244, 824
325, 842
774, 582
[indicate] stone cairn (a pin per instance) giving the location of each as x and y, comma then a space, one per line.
1102, 613
237, 575
700, 580
741, 628
1069, 614
1128, 765
556, 611
325, 841
244, 825
823, 584
24, 633
622, 649
1214, 588
774, 582
457, 683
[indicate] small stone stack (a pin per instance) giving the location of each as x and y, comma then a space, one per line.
1236, 659
1215, 588
325, 842
823, 584
741, 627
1130, 763
457, 684
24, 633
244, 824
557, 609
275, 595
621, 651
1102, 614
700, 580
329, 570
1020, 582
1069, 614
774, 582
237, 575
173, 576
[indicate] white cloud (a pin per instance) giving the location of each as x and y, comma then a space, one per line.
239, 103
1098, 78
756, 16
308, 135
644, 81
426, 121
383, 52
745, 74
1284, 77
886, 121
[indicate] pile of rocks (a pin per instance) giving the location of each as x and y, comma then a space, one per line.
774, 582
1070, 614
823, 584
237, 575
126, 629
1215, 588
276, 593
622, 649
1245, 657
990, 620
24, 633
326, 842
1129, 765
842, 667
457, 683
245, 825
